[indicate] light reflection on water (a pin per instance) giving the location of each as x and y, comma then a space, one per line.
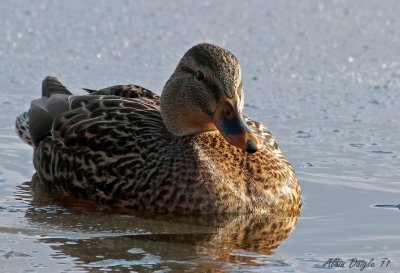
97, 238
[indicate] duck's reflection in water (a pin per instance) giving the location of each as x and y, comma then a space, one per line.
101, 237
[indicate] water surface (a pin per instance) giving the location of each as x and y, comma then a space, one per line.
324, 77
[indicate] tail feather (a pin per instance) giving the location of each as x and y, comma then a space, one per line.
51, 85
90, 91
36, 124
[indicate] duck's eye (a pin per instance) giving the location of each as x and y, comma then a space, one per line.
228, 112
199, 76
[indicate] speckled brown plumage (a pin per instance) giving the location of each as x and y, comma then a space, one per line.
112, 146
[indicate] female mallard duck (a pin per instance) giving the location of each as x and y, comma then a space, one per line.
188, 151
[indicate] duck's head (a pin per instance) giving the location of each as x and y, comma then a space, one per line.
205, 93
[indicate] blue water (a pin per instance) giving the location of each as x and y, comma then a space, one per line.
323, 77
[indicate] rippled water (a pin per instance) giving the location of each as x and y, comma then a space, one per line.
324, 77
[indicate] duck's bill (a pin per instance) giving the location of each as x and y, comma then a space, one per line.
233, 127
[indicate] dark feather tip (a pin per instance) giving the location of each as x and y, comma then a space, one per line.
89, 90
